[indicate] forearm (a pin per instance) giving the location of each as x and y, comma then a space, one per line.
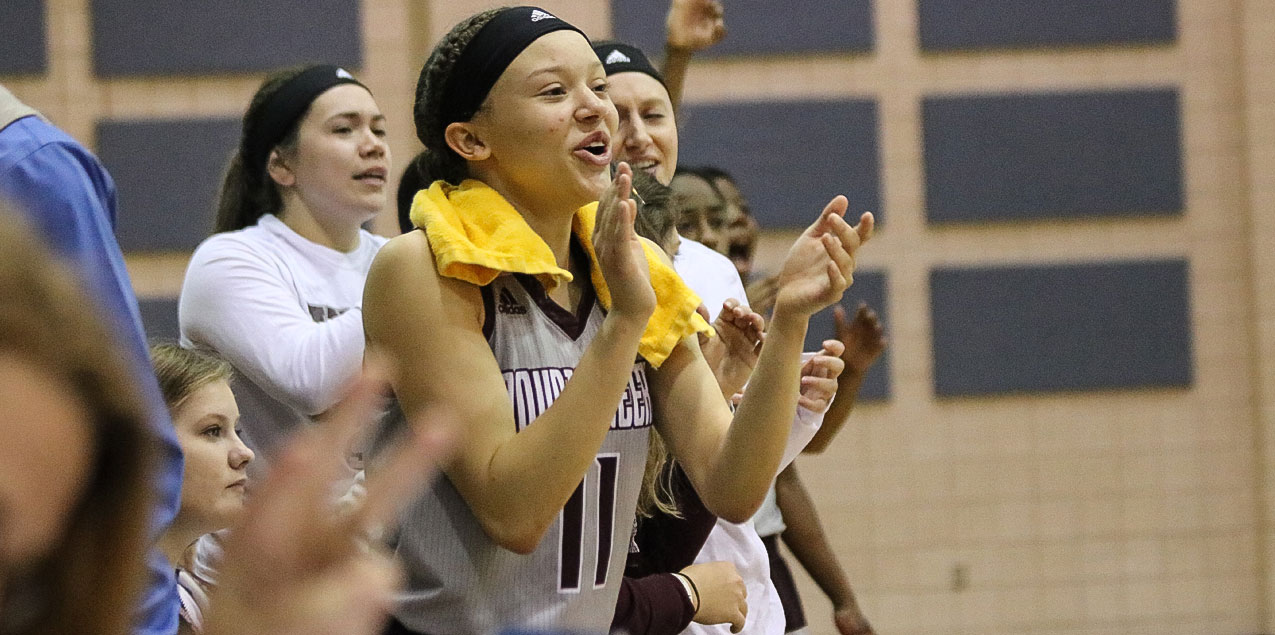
530, 475
237, 304
839, 412
805, 425
652, 605
304, 365
676, 62
805, 538
314, 372
753, 446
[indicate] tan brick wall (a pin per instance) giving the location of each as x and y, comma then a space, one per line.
1114, 512
1139, 511
1257, 77
1111, 512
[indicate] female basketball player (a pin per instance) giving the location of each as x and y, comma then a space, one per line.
277, 291
530, 526
648, 138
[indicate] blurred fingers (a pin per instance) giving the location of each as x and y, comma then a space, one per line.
411, 465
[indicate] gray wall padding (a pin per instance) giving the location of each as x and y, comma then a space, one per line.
1053, 155
23, 48
168, 173
789, 158
976, 24
1061, 327
158, 37
159, 318
758, 27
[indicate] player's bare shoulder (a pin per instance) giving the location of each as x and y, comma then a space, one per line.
405, 273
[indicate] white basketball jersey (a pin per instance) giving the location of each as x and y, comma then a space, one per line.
459, 581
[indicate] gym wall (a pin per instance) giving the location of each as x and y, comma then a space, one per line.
1072, 428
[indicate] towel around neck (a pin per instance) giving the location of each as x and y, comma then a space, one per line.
476, 235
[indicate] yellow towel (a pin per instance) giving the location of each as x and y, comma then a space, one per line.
476, 235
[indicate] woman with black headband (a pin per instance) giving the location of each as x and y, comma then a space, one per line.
648, 139
490, 311
278, 290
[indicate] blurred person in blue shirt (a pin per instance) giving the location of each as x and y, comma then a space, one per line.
70, 199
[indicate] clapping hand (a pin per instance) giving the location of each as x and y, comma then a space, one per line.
619, 250
733, 353
820, 265
819, 377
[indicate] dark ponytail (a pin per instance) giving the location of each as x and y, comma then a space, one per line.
415, 178
246, 194
439, 160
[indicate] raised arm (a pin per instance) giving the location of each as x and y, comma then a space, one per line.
692, 25
730, 463
430, 328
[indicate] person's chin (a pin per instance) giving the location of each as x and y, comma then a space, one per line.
368, 207
664, 173
232, 511
589, 187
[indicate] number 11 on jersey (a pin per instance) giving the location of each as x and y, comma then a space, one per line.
574, 526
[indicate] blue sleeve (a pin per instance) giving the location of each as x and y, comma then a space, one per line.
70, 198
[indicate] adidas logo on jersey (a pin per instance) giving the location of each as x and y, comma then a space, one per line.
509, 305
616, 57
538, 15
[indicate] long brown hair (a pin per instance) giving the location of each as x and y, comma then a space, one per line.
655, 221
246, 194
90, 580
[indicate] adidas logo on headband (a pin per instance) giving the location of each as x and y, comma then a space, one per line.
617, 57
538, 15
343, 74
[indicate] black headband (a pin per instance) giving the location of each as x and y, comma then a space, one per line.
491, 51
282, 110
621, 58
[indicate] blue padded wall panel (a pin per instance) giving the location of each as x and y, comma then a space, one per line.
758, 27
159, 318
789, 158
1052, 155
975, 24
158, 37
1061, 327
869, 287
23, 50
168, 173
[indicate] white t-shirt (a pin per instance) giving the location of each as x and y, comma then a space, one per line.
769, 520
714, 278
710, 275
287, 314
